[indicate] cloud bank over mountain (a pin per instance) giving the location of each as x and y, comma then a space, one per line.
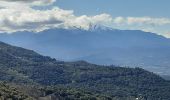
20, 15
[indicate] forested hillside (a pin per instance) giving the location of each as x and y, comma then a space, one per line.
26, 67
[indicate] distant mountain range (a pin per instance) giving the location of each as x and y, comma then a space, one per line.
99, 45
38, 76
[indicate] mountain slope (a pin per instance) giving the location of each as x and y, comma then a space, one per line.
24, 66
100, 46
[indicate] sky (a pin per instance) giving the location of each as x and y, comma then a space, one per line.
125, 8
39, 15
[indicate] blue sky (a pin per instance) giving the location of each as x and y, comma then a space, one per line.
39, 15
135, 8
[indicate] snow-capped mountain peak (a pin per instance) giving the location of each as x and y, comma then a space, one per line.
98, 27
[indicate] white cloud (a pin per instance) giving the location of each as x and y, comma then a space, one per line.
18, 15
142, 21
85, 21
27, 19
160, 26
9, 3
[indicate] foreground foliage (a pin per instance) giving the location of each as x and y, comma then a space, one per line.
11, 93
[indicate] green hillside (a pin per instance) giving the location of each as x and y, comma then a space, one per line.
26, 67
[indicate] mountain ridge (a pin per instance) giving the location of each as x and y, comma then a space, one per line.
123, 47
